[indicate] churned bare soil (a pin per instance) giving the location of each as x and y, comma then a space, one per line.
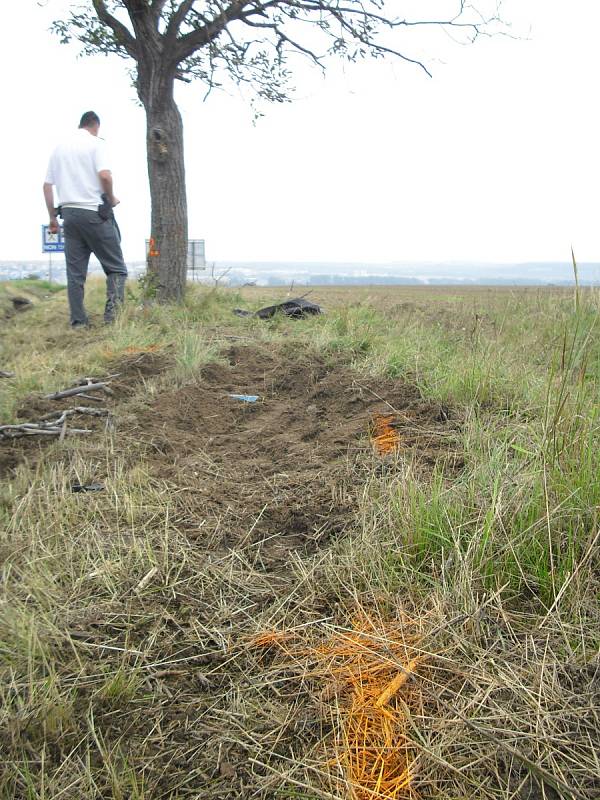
283, 472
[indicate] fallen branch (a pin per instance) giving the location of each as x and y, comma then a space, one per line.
68, 412
91, 379
4, 374
145, 580
397, 683
88, 387
91, 397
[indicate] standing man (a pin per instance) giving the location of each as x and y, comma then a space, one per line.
80, 171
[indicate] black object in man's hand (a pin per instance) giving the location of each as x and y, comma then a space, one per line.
105, 210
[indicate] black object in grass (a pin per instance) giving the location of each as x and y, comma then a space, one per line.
295, 308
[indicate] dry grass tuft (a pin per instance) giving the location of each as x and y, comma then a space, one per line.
132, 350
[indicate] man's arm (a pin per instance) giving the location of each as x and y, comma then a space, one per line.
106, 182
49, 198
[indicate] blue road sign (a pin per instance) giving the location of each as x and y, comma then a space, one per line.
52, 242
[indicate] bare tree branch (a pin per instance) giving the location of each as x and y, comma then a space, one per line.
202, 36
176, 20
122, 35
157, 7
186, 31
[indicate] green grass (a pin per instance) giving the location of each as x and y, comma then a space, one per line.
39, 285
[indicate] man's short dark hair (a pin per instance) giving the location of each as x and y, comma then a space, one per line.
88, 119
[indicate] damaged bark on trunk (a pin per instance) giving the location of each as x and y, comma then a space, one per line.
167, 255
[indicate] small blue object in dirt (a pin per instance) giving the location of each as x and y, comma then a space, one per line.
245, 398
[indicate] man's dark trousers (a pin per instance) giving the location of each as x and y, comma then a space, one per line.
85, 233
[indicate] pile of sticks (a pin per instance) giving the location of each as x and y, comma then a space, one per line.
55, 424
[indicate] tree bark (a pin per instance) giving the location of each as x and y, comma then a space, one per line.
167, 254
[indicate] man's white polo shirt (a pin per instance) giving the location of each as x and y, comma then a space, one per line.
73, 169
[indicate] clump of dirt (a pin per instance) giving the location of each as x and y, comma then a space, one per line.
13, 452
284, 472
134, 367
123, 375
13, 305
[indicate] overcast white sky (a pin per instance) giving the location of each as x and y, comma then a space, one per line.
494, 159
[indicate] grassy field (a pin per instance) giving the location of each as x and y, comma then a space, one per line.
380, 580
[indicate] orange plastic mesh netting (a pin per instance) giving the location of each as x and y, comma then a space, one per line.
369, 680
384, 436
374, 667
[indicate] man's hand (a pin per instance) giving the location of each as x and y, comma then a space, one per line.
49, 198
106, 182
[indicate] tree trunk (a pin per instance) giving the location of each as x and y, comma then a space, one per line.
167, 254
